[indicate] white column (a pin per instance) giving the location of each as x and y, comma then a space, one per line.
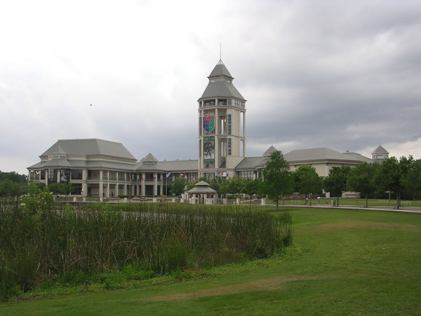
155, 184
108, 185
117, 186
244, 134
84, 182
58, 176
142, 184
125, 184
46, 177
101, 186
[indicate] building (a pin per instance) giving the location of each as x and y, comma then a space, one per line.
106, 169
379, 154
321, 159
222, 142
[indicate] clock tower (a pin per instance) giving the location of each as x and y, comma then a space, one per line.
222, 140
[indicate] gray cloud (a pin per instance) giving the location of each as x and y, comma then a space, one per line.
327, 73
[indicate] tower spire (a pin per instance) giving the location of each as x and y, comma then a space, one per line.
220, 51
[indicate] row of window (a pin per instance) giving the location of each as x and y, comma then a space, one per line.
223, 102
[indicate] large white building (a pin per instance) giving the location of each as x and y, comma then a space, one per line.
106, 169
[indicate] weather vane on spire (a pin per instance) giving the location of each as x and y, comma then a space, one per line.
220, 51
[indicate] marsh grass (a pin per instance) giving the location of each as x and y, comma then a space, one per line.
75, 243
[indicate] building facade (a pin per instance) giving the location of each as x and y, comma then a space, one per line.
105, 169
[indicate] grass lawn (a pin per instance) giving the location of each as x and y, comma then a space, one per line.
341, 263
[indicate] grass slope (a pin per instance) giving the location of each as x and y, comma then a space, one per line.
341, 263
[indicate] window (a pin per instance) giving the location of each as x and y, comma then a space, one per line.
229, 124
229, 146
76, 174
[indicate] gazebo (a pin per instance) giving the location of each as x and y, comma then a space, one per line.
202, 193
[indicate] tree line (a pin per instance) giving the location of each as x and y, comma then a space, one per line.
400, 178
15, 184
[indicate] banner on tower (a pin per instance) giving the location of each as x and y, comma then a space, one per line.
209, 123
209, 152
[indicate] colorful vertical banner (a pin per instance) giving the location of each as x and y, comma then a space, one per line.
209, 123
209, 151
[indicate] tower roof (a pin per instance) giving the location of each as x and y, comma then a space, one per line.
380, 151
220, 70
220, 84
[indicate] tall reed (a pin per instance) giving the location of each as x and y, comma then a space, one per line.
47, 244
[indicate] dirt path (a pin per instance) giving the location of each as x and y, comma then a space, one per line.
258, 285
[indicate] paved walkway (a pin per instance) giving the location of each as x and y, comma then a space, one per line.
345, 207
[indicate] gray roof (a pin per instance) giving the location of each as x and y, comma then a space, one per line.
201, 184
87, 147
317, 154
220, 84
92, 164
220, 70
252, 163
201, 188
269, 151
63, 163
149, 158
380, 151
221, 89
179, 165
302, 155
148, 163
356, 156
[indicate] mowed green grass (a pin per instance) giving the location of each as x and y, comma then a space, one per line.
341, 263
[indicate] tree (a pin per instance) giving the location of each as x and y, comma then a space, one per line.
335, 182
393, 174
412, 180
38, 199
60, 188
277, 179
307, 181
361, 179
236, 185
178, 185
12, 184
251, 186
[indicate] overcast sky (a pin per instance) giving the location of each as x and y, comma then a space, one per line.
338, 74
